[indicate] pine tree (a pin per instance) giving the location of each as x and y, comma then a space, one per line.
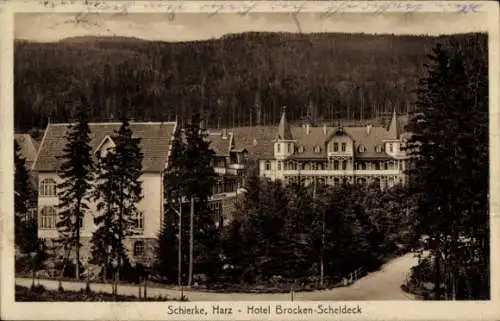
118, 192
167, 265
74, 189
25, 227
450, 136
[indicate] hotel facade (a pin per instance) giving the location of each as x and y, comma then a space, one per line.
334, 155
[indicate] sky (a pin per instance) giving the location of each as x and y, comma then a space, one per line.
48, 27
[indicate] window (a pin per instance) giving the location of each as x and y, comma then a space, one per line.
344, 165
336, 165
377, 165
268, 165
317, 149
361, 148
335, 147
48, 187
336, 181
216, 208
278, 146
140, 221
48, 217
289, 148
301, 149
344, 146
139, 248
390, 148
279, 166
378, 149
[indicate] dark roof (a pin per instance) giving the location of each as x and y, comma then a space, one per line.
258, 140
28, 148
219, 144
155, 143
369, 140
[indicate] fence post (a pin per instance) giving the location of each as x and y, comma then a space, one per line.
140, 287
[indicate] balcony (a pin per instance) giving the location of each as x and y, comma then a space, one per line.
236, 166
220, 170
348, 172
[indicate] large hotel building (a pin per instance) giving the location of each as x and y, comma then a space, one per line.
332, 155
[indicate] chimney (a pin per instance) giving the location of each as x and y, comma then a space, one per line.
369, 128
224, 133
324, 129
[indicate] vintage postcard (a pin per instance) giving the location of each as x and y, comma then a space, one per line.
240, 160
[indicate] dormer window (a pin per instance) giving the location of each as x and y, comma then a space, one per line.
378, 148
105, 146
390, 148
361, 149
317, 149
300, 149
279, 148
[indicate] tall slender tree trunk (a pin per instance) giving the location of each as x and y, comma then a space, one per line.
77, 248
191, 242
179, 250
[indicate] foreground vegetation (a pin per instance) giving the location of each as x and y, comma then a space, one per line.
39, 293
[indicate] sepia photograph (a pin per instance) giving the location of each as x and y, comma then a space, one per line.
256, 156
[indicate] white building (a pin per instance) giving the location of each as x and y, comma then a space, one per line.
155, 145
366, 154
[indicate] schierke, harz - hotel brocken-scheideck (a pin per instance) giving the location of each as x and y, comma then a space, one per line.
327, 153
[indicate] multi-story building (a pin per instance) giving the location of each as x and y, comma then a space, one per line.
332, 155
155, 145
229, 164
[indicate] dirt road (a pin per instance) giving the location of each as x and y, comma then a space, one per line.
383, 284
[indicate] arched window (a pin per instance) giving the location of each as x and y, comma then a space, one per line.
48, 218
139, 248
48, 187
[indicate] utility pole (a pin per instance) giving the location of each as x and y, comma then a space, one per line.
179, 244
191, 242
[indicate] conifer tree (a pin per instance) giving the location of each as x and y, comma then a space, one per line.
25, 227
199, 181
118, 192
169, 240
74, 188
450, 173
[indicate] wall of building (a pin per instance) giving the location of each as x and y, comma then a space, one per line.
150, 205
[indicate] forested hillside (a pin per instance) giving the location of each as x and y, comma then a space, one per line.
241, 79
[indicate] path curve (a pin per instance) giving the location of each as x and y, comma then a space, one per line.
384, 284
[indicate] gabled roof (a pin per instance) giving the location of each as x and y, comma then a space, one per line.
155, 143
257, 140
105, 140
28, 148
219, 144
